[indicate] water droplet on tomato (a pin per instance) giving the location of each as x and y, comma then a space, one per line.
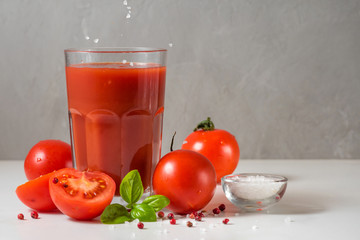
38, 159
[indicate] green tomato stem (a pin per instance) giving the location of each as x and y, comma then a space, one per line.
206, 125
172, 142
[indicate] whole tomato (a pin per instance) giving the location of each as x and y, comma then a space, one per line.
219, 146
187, 178
47, 156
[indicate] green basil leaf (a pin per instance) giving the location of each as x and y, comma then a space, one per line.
143, 212
115, 214
158, 202
131, 188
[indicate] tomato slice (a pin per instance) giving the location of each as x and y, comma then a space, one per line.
81, 195
35, 194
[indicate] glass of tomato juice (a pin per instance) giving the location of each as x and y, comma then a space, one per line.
116, 105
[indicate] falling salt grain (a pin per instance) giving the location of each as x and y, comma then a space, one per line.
96, 40
131, 64
87, 37
171, 44
211, 225
128, 16
125, 2
255, 227
124, 61
183, 222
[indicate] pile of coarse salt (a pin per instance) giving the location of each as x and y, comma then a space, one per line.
255, 187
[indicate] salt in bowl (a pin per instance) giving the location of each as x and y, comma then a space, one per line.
254, 191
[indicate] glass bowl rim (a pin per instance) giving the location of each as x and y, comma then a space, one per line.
229, 178
116, 50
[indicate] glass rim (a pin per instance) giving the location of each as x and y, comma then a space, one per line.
275, 177
115, 50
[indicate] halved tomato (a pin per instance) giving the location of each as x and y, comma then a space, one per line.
35, 194
81, 195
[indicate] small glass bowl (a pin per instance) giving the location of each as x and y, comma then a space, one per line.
254, 191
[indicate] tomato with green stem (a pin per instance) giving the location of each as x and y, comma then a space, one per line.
217, 145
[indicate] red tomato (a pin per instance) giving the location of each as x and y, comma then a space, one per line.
81, 195
187, 178
219, 146
35, 194
47, 156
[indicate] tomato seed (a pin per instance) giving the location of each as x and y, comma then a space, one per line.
20, 216
34, 215
55, 180
192, 215
225, 221
189, 224
140, 225
65, 185
222, 207
173, 221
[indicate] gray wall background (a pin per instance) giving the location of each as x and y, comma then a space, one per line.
282, 76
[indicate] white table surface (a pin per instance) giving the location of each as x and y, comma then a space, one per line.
322, 201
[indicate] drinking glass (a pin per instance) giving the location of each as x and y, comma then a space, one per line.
116, 104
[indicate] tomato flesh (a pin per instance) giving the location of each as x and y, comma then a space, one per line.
81, 195
187, 178
35, 194
219, 146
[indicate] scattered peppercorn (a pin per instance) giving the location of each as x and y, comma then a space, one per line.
161, 214
170, 216
216, 211
222, 207
140, 225
34, 215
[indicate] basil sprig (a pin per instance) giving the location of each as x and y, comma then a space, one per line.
131, 190
158, 202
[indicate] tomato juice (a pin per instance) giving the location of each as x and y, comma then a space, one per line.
116, 115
